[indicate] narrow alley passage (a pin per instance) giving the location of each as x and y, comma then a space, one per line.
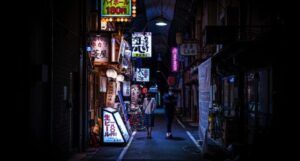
180, 147
93, 73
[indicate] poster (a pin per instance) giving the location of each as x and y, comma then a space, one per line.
141, 44
205, 101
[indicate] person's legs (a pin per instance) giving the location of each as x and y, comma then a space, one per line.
151, 124
169, 126
150, 131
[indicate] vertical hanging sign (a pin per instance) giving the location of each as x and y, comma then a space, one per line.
111, 94
141, 44
174, 60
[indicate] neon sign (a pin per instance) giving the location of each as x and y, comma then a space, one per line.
115, 8
174, 60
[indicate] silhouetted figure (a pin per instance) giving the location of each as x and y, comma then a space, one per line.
169, 101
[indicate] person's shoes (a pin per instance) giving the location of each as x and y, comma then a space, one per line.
169, 136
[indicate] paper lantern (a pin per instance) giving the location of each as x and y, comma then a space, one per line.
171, 80
120, 78
111, 73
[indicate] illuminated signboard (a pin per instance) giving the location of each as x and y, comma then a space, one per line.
99, 48
115, 8
141, 44
114, 129
174, 60
142, 74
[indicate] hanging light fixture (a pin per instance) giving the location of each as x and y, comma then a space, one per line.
160, 20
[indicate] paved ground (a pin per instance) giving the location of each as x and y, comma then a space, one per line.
181, 147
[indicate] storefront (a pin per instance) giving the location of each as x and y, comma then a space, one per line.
109, 86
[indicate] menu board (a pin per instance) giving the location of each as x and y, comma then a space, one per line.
114, 129
111, 132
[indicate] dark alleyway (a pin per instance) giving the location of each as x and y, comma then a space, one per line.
228, 62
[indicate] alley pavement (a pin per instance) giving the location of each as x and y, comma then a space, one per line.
181, 147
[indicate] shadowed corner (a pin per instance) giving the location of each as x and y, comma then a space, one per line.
177, 138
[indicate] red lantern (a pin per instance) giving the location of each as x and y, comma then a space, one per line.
144, 90
171, 80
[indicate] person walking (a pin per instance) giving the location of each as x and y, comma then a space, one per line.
169, 101
149, 105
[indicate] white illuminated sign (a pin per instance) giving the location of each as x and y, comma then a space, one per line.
142, 74
111, 132
141, 44
114, 129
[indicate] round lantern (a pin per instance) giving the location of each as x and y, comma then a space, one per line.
120, 78
111, 73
